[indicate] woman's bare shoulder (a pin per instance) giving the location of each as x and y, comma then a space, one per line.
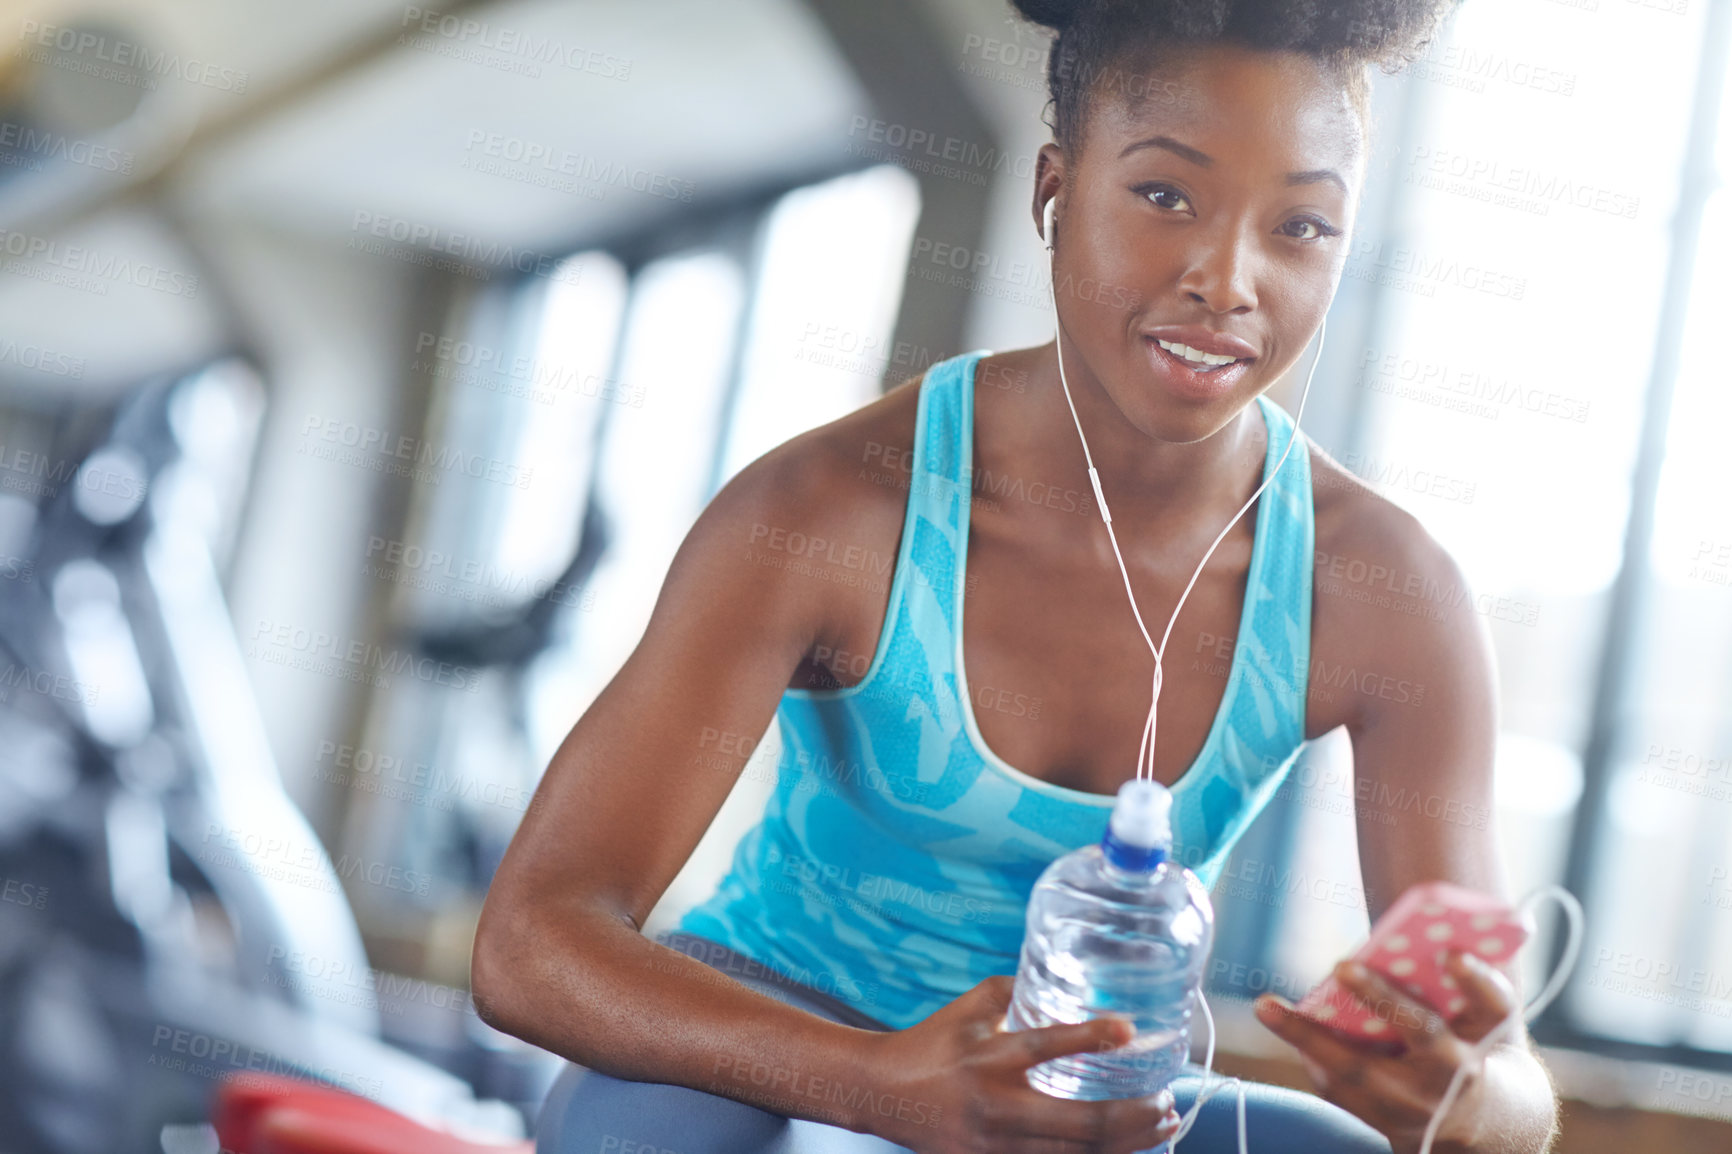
1367, 542
845, 474
1391, 604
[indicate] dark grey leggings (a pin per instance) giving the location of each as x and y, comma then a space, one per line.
591, 1113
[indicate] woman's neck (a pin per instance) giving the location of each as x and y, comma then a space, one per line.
1162, 486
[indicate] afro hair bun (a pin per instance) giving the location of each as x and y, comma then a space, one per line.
1349, 34
1371, 29
1055, 14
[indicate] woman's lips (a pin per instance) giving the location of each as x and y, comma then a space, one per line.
1190, 381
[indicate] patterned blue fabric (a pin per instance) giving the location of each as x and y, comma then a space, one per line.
895, 857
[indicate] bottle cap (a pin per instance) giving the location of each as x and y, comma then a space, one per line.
1142, 814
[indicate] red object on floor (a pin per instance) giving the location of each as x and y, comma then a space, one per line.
268, 1114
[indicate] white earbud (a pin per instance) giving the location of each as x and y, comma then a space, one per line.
1046, 228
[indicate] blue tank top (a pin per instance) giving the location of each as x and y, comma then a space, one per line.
894, 861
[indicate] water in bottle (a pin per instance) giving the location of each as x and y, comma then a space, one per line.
1116, 929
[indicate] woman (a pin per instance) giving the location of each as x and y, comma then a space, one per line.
842, 988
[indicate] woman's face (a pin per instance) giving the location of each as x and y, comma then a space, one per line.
1222, 202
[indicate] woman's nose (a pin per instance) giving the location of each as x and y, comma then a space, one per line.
1222, 270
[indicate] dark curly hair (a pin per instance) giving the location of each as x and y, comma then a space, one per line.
1096, 38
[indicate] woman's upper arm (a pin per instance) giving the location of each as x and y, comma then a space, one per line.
634, 785
1425, 727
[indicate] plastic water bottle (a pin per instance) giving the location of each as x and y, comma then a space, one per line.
1116, 929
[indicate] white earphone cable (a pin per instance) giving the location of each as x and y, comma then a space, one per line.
1146, 755
1207, 1090
1566, 965
1146, 750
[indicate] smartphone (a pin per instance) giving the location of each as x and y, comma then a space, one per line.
1408, 947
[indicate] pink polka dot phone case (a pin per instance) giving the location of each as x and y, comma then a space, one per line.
1408, 947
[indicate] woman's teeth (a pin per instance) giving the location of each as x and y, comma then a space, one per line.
1204, 361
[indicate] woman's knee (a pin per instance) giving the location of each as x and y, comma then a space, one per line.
593, 1113
1277, 1121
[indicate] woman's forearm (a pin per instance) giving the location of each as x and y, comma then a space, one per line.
1514, 1112
594, 990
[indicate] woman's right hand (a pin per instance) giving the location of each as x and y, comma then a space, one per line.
956, 1082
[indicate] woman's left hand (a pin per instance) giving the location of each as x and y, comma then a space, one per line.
1398, 1094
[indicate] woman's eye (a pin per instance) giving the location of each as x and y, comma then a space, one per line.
1319, 228
1160, 190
